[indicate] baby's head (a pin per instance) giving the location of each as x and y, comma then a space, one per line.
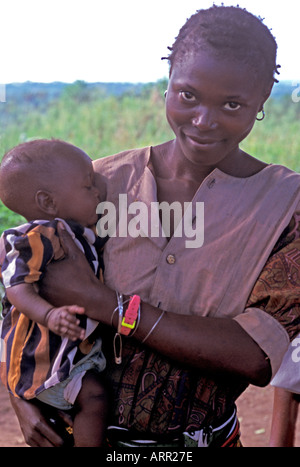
45, 179
229, 33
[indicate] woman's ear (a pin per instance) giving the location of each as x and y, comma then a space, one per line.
46, 202
266, 94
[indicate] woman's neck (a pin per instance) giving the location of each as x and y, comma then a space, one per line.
169, 163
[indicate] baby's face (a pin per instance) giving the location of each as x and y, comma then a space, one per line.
77, 196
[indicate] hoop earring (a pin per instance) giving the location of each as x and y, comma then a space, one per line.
165, 93
262, 117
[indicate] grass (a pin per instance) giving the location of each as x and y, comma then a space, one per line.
277, 139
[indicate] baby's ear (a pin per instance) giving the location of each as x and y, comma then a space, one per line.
46, 202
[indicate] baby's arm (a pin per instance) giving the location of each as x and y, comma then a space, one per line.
61, 321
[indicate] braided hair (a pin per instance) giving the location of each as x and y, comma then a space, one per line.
230, 32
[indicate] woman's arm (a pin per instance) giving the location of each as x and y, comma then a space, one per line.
217, 345
214, 344
36, 431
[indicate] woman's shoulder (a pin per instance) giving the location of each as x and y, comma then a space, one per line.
283, 174
121, 171
129, 158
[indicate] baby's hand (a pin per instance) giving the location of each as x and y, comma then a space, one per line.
63, 321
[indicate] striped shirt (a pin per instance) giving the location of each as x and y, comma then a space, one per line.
33, 357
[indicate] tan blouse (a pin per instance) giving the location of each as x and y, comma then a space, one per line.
243, 219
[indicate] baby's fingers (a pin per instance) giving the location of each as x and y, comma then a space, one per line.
72, 332
64, 322
71, 329
75, 310
69, 324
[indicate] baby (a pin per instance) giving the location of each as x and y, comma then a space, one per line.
52, 355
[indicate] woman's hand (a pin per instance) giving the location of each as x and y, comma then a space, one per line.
68, 281
37, 432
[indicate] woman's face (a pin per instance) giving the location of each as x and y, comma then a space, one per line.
211, 106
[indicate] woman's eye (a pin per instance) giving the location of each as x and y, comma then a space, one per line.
232, 106
187, 96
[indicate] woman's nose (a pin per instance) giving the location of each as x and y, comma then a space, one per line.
204, 119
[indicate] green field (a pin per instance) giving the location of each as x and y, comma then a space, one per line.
103, 124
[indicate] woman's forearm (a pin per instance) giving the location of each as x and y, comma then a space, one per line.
37, 432
217, 345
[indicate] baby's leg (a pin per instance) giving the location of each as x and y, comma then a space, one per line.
91, 409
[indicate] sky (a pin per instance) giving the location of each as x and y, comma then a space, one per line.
117, 40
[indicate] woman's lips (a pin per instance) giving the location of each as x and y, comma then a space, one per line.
203, 142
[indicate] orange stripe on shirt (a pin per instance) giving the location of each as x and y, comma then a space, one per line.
38, 249
50, 233
14, 319
21, 337
42, 363
35, 262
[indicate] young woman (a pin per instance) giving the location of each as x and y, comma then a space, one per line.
213, 318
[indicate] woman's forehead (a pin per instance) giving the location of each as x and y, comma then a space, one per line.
203, 68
